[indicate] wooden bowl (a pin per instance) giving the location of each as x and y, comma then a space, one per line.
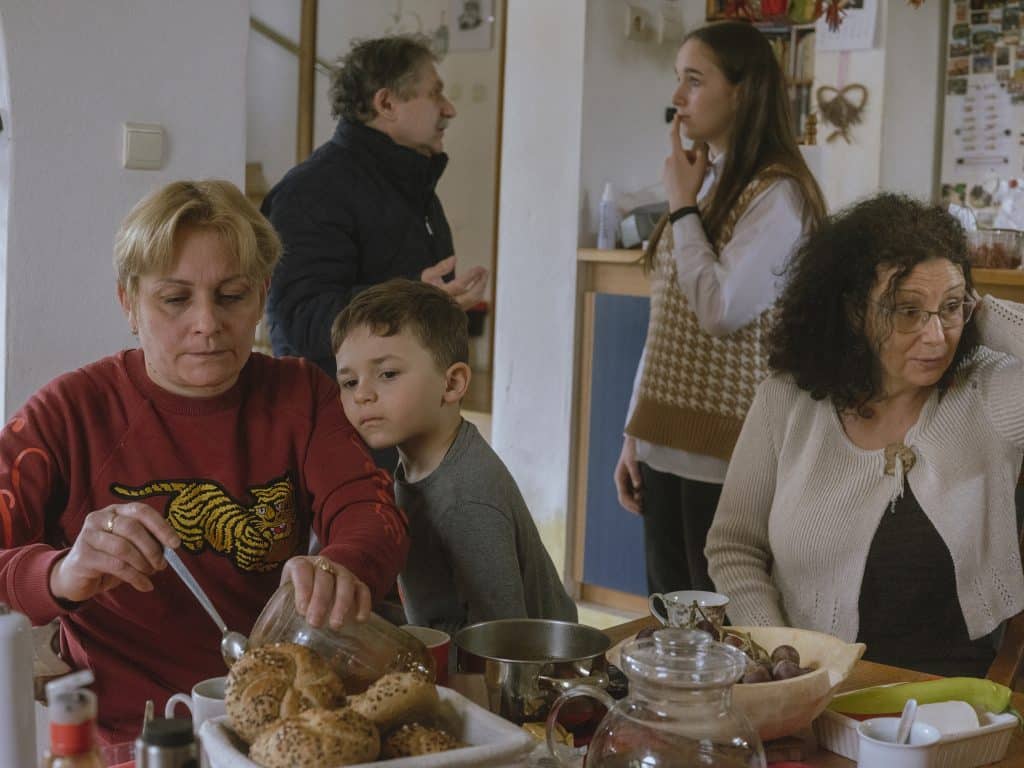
783, 707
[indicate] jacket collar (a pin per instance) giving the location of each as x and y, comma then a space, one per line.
407, 166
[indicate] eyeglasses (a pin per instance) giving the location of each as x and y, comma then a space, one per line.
952, 314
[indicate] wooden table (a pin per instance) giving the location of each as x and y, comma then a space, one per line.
865, 673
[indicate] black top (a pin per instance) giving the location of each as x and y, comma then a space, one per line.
361, 210
910, 613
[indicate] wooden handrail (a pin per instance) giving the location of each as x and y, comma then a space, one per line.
323, 66
307, 80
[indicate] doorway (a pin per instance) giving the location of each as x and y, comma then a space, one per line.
471, 64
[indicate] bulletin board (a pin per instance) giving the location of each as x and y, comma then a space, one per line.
983, 133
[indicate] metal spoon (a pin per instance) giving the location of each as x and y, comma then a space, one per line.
232, 644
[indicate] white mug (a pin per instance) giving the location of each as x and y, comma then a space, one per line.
876, 745
206, 701
677, 606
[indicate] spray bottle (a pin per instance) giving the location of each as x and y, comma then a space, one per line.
73, 742
17, 702
607, 219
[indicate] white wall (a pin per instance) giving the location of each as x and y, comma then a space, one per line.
627, 85
5, 187
914, 81
471, 81
540, 183
77, 71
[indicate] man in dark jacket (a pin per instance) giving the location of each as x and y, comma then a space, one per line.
363, 208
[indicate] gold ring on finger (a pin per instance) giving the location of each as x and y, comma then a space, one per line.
325, 566
110, 523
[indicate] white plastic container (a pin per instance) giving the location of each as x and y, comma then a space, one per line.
17, 699
982, 746
607, 219
492, 740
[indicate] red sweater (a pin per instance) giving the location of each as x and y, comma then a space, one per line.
243, 477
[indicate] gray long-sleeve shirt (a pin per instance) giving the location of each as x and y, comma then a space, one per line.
475, 551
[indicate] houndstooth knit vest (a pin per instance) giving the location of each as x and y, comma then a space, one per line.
695, 389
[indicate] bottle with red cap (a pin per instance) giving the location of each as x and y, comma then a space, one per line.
73, 741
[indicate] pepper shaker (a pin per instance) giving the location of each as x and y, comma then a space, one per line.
167, 742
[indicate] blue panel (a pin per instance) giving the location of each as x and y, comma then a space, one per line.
614, 546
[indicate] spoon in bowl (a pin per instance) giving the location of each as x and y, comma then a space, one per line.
906, 721
232, 644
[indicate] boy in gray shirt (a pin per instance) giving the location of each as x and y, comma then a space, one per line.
402, 348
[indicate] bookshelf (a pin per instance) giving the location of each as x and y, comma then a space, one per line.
794, 48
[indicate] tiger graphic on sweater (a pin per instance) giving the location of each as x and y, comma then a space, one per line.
204, 514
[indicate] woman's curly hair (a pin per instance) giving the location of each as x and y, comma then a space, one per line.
819, 335
385, 62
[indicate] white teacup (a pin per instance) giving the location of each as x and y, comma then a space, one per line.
677, 606
876, 744
206, 701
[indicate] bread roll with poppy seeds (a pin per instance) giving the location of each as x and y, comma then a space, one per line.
276, 681
396, 698
414, 739
317, 738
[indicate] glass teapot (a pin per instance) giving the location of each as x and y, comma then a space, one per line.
678, 711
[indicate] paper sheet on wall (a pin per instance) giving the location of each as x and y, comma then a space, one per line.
856, 33
984, 135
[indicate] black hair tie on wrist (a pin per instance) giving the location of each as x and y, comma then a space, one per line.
686, 210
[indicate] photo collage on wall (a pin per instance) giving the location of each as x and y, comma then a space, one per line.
986, 40
984, 100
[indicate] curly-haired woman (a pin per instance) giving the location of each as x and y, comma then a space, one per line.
871, 495
740, 201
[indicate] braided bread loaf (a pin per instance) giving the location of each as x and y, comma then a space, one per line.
276, 681
317, 738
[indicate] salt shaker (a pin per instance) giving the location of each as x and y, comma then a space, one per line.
167, 742
17, 702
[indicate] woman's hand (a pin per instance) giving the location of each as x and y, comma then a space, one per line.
684, 169
117, 544
628, 481
326, 590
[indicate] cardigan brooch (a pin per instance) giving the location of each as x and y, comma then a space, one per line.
905, 454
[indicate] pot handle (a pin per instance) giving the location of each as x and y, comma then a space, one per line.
596, 679
561, 753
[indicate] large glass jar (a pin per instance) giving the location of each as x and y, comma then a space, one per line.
678, 711
359, 652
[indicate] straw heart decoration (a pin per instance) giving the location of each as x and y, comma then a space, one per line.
842, 108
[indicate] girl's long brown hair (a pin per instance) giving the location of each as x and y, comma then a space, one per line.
762, 134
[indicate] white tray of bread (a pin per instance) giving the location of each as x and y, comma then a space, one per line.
286, 709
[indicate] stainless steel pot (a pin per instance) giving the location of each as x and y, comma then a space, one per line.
526, 663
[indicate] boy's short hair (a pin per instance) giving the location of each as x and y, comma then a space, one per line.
434, 317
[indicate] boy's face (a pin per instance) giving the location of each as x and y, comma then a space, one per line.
391, 388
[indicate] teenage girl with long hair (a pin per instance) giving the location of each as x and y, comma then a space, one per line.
740, 200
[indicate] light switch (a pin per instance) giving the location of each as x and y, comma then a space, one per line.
143, 146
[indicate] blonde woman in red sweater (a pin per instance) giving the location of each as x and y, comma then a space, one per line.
192, 442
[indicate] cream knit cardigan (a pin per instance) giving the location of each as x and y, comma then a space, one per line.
801, 503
